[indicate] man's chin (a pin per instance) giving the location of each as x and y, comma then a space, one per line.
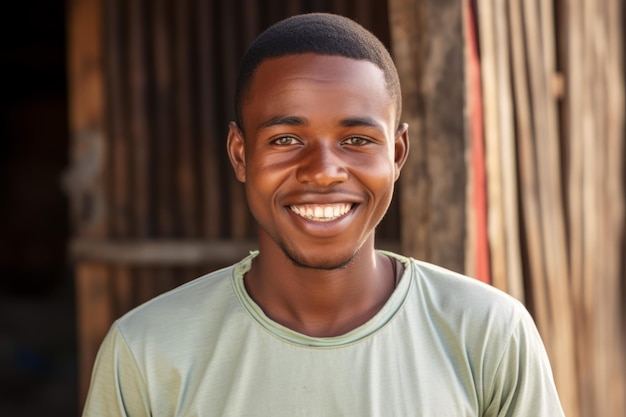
326, 263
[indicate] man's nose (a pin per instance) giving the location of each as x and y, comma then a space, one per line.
321, 164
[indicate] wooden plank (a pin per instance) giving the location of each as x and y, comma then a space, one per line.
140, 119
117, 117
212, 155
500, 150
94, 316
160, 252
164, 138
86, 180
415, 197
606, 88
490, 49
541, 65
230, 55
573, 64
508, 157
187, 170
427, 43
477, 246
614, 14
250, 15
443, 90
528, 178
123, 289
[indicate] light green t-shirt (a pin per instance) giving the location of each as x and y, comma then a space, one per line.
442, 345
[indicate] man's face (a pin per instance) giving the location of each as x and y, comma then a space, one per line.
320, 155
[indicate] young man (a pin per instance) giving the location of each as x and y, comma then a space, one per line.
318, 322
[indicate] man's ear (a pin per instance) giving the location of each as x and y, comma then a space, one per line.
237, 151
401, 147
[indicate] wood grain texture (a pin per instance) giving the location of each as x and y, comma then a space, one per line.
427, 39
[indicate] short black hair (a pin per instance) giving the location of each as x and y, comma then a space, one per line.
320, 33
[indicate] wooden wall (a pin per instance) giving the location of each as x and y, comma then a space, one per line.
154, 202
553, 86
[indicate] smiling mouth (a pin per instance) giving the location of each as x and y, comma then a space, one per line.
321, 212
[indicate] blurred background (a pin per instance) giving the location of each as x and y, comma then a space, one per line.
116, 186
38, 368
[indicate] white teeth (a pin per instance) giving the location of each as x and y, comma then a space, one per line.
322, 212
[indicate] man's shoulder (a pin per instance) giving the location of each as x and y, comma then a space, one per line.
181, 307
462, 297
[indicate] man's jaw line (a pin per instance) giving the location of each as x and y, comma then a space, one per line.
328, 267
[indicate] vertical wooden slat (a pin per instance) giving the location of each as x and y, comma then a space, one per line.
427, 42
542, 68
114, 31
87, 179
363, 13
117, 117
210, 149
490, 49
501, 160
582, 293
230, 56
476, 249
250, 15
527, 176
94, 309
508, 159
140, 134
405, 18
163, 59
613, 177
187, 170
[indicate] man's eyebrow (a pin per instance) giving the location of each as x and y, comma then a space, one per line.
361, 122
283, 120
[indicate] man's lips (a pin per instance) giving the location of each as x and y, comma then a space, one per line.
321, 212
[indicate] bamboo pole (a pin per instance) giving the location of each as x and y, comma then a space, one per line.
573, 121
508, 158
490, 36
614, 231
606, 171
541, 64
528, 179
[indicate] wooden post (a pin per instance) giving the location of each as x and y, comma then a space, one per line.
427, 45
86, 180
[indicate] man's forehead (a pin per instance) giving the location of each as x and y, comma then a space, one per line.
317, 67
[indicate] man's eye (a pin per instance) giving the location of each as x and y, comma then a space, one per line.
356, 141
285, 140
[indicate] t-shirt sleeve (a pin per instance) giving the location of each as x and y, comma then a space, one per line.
523, 384
117, 385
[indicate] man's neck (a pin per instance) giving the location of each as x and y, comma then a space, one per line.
316, 302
